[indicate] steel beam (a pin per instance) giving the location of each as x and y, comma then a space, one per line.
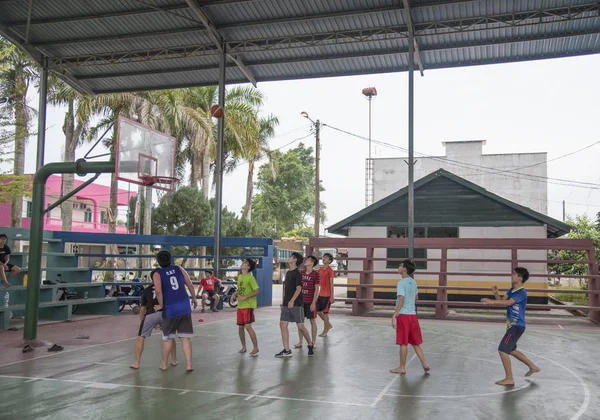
41, 136
218, 39
219, 165
411, 33
368, 35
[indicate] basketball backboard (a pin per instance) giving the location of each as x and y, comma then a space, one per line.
144, 156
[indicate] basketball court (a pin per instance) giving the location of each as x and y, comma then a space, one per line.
347, 378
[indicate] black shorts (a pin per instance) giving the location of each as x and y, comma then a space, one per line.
323, 304
210, 293
10, 266
509, 341
178, 326
307, 312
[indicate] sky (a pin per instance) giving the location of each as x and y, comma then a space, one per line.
536, 106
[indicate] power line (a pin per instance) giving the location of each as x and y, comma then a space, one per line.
482, 169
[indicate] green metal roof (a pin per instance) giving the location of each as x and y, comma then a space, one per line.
438, 214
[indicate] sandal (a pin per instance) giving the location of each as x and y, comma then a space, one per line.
56, 347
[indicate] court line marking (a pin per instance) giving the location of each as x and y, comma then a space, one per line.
97, 345
560, 326
105, 385
388, 386
586, 391
459, 396
183, 393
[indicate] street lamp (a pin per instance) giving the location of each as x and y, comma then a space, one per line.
317, 125
370, 93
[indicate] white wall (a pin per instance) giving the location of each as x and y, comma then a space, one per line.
457, 267
391, 175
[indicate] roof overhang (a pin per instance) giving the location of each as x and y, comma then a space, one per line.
114, 46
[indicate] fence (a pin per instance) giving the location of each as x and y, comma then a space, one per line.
362, 261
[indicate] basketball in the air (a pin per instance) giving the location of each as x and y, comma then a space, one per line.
216, 111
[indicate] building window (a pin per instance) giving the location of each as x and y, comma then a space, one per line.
87, 215
28, 209
420, 232
103, 217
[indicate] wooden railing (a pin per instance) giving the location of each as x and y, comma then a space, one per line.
364, 300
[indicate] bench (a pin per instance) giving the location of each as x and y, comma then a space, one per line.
63, 309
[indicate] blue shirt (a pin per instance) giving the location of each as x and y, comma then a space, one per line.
175, 297
407, 287
515, 314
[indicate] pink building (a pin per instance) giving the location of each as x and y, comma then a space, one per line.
90, 207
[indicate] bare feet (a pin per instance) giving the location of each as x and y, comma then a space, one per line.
399, 370
134, 366
163, 367
6, 284
298, 346
242, 350
506, 382
254, 353
189, 369
426, 368
326, 330
174, 363
533, 370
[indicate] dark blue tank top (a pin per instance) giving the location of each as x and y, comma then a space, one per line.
175, 296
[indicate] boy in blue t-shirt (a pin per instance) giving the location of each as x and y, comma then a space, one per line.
515, 301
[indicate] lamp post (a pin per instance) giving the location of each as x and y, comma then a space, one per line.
370, 93
317, 125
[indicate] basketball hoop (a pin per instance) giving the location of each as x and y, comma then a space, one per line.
163, 182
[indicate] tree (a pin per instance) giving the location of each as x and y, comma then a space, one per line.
254, 153
17, 72
583, 228
80, 110
287, 201
187, 212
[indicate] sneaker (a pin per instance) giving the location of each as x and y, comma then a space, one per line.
311, 350
284, 353
203, 311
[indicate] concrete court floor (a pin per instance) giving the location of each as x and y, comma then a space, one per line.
347, 379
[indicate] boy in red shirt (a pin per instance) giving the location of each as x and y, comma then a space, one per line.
326, 296
310, 293
207, 290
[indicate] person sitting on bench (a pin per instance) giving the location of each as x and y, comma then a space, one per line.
5, 266
207, 290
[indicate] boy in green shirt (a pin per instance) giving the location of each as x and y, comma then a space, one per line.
247, 292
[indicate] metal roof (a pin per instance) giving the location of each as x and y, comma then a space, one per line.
116, 45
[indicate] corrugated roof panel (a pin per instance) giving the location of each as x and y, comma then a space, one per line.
312, 38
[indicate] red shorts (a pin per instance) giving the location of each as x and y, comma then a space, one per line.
408, 330
245, 316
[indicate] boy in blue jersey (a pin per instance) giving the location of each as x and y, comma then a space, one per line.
170, 282
515, 301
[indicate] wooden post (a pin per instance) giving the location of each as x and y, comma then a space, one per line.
369, 279
593, 285
441, 310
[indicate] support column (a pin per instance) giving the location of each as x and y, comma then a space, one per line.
411, 153
219, 166
593, 286
41, 145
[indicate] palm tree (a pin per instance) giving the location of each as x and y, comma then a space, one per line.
241, 103
254, 154
17, 72
75, 125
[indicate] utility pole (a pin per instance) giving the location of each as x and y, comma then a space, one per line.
564, 211
317, 180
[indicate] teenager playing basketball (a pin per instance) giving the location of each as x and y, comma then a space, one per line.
515, 302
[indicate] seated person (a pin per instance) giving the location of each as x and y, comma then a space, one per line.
5, 265
207, 290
